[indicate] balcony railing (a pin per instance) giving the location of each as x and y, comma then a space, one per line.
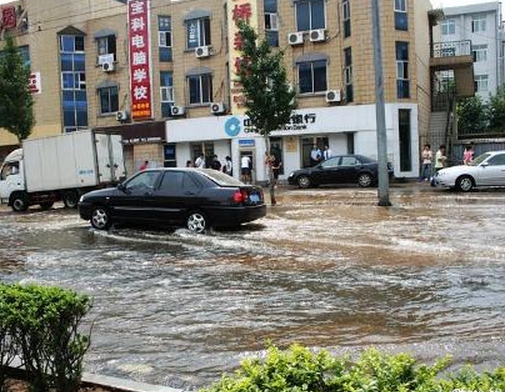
451, 49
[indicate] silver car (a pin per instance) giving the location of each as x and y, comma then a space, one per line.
487, 170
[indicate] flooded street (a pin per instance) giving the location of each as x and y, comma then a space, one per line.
326, 268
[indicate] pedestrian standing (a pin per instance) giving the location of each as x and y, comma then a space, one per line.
327, 154
228, 166
245, 168
440, 161
426, 163
144, 166
468, 155
200, 162
216, 165
315, 155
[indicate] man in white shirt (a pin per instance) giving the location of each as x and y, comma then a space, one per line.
200, 162
245, 168
315, 155
327, 153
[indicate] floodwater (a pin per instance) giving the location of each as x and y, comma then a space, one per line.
326, 268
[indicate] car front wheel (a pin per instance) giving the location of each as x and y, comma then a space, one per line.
365, 180
196, 222
465, 183
303, 181
100, 218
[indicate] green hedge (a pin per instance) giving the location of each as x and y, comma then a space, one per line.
298, 370
40, 325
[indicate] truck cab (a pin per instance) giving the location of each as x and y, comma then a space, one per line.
12, 177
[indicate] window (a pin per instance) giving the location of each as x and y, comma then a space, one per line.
405, 138
106, 45
497, 160
166, 92
481, 83
169, 152
109, 100
198, 33
348, 76
402, 70
346, 12
310, 15
312, 76
401, 16
172, 181
478, 24
200, 89
448, 27
271, 22
73, 82
165, 38
479, 52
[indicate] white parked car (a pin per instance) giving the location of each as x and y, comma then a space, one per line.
487, 170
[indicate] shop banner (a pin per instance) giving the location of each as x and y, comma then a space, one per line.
140, 59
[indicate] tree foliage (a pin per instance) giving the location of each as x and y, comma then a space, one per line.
496, 110
472, 115
269, 99
16, 102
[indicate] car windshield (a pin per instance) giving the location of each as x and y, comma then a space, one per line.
221, 178
481, 158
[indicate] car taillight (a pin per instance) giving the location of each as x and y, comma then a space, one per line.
240, 196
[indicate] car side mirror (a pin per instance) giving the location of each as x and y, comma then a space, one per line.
484, 164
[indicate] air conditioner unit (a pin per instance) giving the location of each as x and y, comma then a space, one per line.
177, 110
122, 115
333, 96
317, 35
217, 108
108, 66
295, 38
202, 52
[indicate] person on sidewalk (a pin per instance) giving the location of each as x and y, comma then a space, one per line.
440, 161
426, 163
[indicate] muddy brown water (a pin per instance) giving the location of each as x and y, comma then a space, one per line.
327, 268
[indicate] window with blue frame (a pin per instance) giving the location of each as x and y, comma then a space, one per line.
73, 83
200, 89
402, 70
401, 16
197, 32
109, 99
166, 92
312, 76
271, 22
310, 15
165, 38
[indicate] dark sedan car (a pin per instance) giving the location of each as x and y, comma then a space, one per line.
195, 198
341, 169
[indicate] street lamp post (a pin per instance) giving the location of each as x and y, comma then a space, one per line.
380, 112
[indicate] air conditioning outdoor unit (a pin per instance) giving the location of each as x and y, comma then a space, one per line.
177, 110
202, 52
317, 35
217, 108
122, 115
295, 38
333, 96
108, 66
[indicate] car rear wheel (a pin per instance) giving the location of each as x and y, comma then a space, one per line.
303, 181
100, 218
465, 183
365, 180
196, 222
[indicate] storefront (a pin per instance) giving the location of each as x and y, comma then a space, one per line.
345, 130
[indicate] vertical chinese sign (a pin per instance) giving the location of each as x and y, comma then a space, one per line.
140, 59
238, 10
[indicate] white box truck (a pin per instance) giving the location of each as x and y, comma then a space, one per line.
61, 168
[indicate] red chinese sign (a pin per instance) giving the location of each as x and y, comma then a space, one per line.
240, 10
9, 17
140, 59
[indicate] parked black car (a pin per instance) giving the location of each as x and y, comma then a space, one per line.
195, 198
341, 169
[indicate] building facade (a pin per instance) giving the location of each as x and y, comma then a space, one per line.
481, 25
162, 73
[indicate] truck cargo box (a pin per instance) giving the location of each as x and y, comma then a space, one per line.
74, 160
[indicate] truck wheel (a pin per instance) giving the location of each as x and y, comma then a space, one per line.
100, 218
19, 203
70, 199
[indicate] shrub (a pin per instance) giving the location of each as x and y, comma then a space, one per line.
299, 369
44, 333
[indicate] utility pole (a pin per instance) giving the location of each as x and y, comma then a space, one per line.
380, 111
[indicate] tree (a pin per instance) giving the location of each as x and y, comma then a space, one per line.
268, 97
496, 110
472, 116
16, 102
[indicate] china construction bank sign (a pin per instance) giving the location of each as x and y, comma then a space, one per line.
140, 59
